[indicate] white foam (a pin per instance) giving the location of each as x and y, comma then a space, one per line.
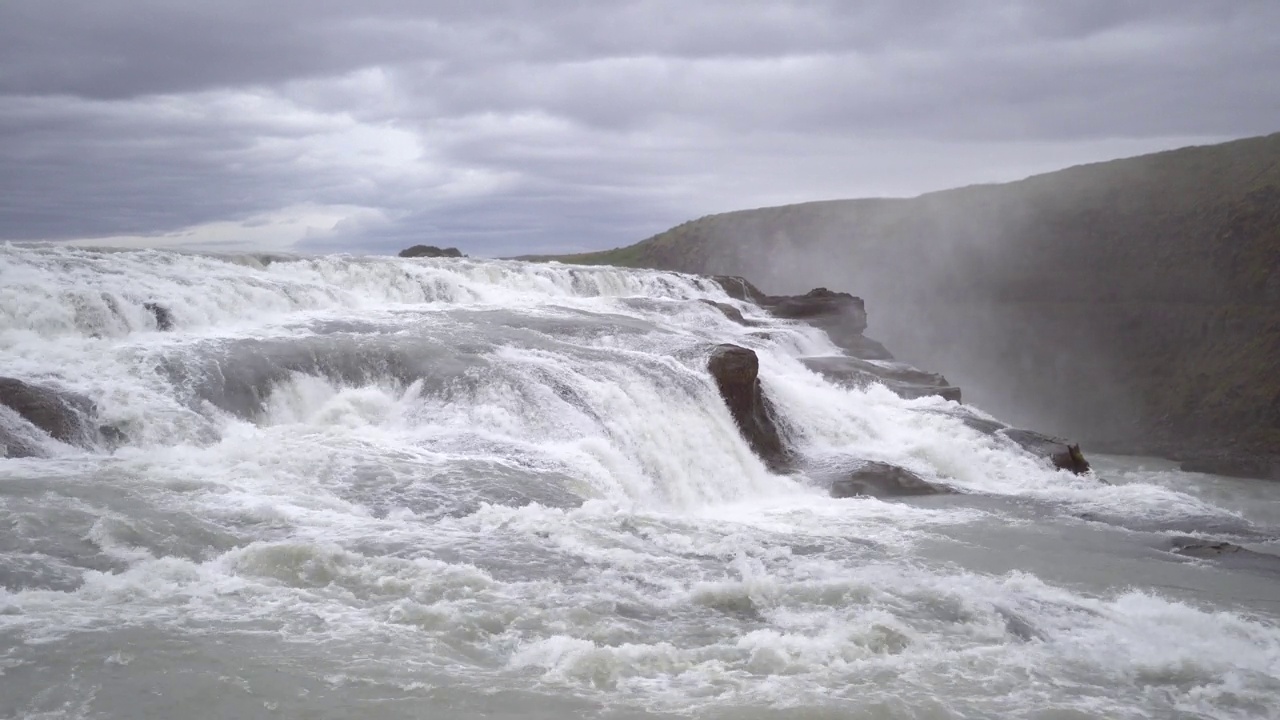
567, 512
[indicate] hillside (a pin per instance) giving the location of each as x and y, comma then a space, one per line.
1133, 303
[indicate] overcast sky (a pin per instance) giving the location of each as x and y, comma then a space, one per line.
557, 125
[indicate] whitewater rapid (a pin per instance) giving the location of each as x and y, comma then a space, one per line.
375, 487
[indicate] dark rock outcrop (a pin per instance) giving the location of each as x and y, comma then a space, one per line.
64, 416
878, 479
904, 380
1194, 547
821, 305
966, 415
430, 251
861, 346
728, 311
1227, 554
113, 436
843, 317
1062, 453
740, 289
736, 371
162, 314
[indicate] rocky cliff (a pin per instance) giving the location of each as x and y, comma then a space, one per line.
1134, 304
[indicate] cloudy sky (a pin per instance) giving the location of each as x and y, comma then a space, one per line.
506, 127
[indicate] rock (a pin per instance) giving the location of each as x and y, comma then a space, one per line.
728, 310
1227, 554
946, 392
64, 416
823, 305
1193, 547
164, 318
14, 443
430, 251
878, 479
113, 436
859, 345
904, 380
736, 371
740, 289
966, 415
1062, 453
843, 317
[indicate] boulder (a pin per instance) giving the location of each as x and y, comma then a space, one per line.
740, 289
843, 317
1194, 547
18, 441
877, 479
966, 415
821, 304
736, 371
64, 416
728, 311
904, 380
1064, 454
858, 345
162, 314
112, 435
1227, 554
430, 251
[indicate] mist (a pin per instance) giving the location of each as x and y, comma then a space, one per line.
1093, 302
947, 288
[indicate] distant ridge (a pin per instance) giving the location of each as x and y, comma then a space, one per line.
1135, 302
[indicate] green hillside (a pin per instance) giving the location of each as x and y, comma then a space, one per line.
1135, 303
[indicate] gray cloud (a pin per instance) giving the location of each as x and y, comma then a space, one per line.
508, 127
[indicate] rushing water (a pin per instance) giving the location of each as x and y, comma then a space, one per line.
379, 488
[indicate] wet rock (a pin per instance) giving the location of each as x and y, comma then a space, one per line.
1227, 554
843, 317
1064, 454
840, 315
113, 436
728, 310
859, 345
65, 416
430, 251
16, 444
736, 371
740, 289
822, 304
904, 380
877, 479
966, 415
1193, 547
162, 314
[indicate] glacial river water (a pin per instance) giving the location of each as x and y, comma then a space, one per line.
383, 488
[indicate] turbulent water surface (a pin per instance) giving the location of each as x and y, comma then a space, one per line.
382, 488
